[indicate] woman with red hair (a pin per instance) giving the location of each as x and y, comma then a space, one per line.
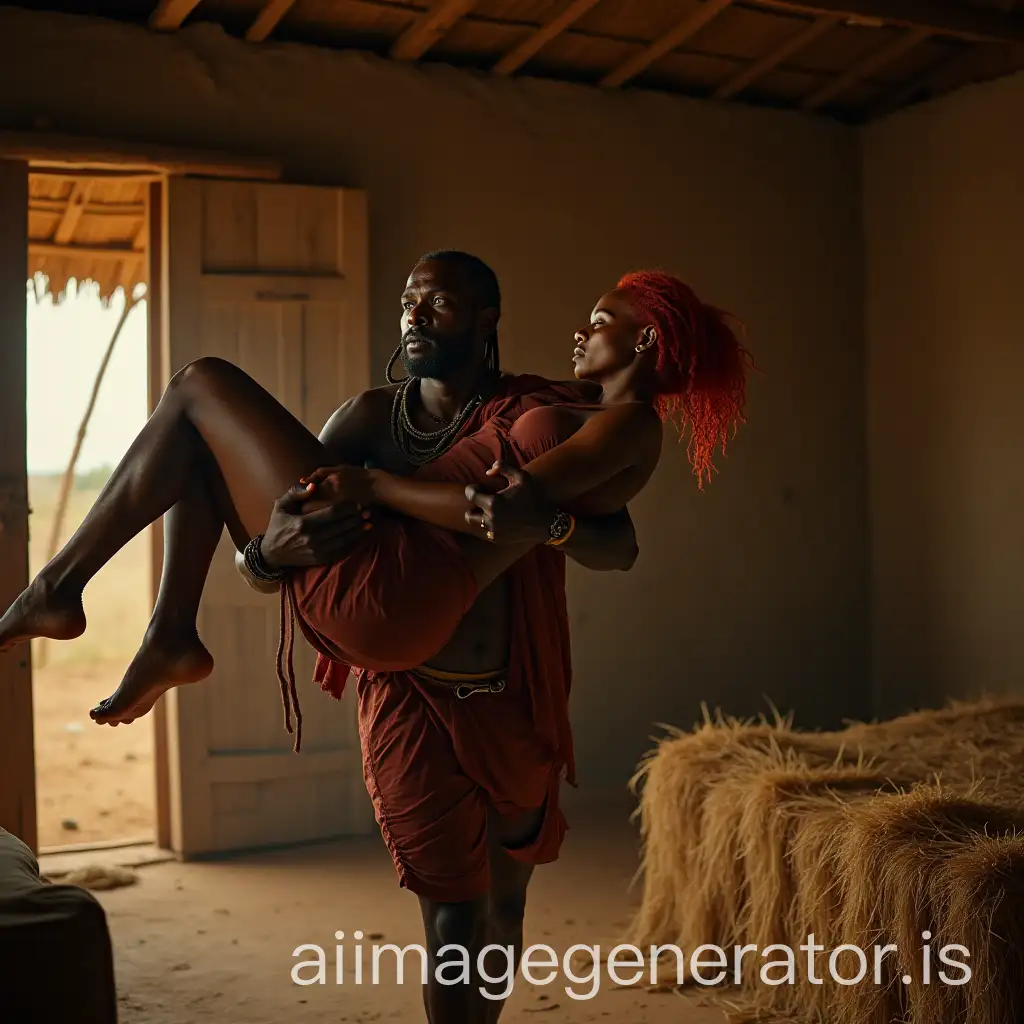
654, 349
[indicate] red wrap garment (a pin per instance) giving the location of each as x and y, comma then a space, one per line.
432, 762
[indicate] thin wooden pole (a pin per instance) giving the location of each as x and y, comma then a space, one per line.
130, 303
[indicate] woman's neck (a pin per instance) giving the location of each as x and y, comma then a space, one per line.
623, 390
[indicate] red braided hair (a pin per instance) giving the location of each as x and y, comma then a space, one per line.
701, 365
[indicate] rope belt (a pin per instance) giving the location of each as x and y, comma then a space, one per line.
463, 684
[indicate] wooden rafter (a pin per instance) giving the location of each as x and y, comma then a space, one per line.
429, 27
73, 211
268, 19
93, 252
939, 17
909, 90
171, 14
91, 209
688, 27
64, 156
863, 68
807, 35
515, 59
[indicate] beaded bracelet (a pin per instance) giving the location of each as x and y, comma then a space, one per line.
255, 564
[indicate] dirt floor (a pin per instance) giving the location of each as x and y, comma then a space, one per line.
214, 941
94, 784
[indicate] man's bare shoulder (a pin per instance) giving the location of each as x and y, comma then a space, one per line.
355, 428
372, 403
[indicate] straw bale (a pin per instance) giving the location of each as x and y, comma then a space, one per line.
907, 833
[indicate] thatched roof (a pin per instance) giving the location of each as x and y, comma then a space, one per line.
92, 229
849, 59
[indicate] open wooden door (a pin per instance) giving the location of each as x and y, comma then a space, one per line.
17, 757
274, 278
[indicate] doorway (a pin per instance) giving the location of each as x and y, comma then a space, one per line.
238, 264
87, 397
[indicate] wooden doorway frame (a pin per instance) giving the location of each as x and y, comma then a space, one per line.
74, 156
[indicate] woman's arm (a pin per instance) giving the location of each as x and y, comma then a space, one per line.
602, 448
603, 543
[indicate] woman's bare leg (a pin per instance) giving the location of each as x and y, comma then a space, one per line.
171, 650
210, 411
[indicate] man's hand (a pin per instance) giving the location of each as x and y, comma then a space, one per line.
350, 485
300, 534
517, 513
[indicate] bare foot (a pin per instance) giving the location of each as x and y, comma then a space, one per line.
42, 610
159, 666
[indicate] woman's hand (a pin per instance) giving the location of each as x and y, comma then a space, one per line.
516, 514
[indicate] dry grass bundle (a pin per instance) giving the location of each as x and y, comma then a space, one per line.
898, 838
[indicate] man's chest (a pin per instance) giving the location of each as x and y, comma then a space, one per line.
465, 461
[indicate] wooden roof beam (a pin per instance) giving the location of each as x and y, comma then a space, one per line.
529, 47
940, 17
770, 61
861, 70
95, 252
268, 19
39, 205
171, 14
429, 27
688, 27
909, 90
73, 212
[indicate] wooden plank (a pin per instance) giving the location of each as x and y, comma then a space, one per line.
268, 19
73, 211
807, 35
515, 59
155, 234
863, 68
273, 288
429, 27
17, 747
939, 17
93, 155
171, 14
355, 374
90, 209
687, 28
65, 174
191, 811
93, 252
274, 278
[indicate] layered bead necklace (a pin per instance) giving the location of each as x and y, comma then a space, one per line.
419, 446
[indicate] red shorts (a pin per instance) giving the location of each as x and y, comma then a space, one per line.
435, 764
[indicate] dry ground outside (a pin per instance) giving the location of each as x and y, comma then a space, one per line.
99, 778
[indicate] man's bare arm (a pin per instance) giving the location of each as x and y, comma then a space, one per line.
290, 539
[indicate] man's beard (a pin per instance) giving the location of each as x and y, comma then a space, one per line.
440, 361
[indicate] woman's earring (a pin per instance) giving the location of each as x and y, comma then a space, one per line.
651, 338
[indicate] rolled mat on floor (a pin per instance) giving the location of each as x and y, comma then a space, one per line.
875, 835
56, 960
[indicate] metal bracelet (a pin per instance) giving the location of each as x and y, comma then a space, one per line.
255, 564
